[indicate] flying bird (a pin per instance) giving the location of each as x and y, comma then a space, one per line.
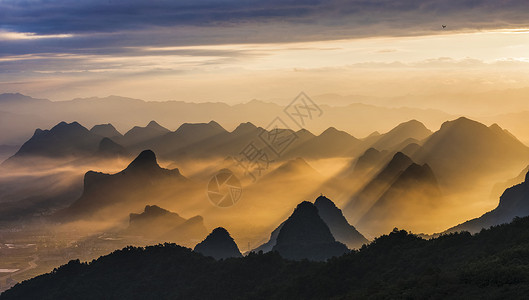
444, 26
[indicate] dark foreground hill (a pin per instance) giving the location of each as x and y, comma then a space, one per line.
492, 264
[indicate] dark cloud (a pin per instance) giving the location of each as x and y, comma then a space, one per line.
113, 27
96, 16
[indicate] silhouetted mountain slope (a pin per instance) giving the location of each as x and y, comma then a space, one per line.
463, 149
488, 265
362, 201
184, 141
355, 174
160, 225
410, 149
153, 219
368, 160
500, 187
408, 201
341, 230
219, 245
293, 168
514, 202
408, 130
109, 148
337, 223
142, 134
17, 98
330, 143
106, 130
140, 182
64, 140
267, 247
304, 235
365, 166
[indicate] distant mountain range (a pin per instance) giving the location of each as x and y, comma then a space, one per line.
200, 140
371, 189
20, 115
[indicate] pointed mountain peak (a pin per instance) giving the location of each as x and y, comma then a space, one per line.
306, 235
245, 128
331, 130
373, 134
219, 244
304, 133
495, 127
334, 133
105, 130
154, 125
215, 124
400, 158
371, 152
461, 123
145, 160
324, 201
412, 125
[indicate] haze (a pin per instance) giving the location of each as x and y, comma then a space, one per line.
236, 126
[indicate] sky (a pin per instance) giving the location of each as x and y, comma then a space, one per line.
237, 50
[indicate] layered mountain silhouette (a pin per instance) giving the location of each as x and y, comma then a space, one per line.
463, 149
408, 201
358, 119
107, 130
64, 140
304, 235
206, 140
332, 216
219, 245
109, 148
158, 224
402, 133
142, 134
362, 201
398, 194
142, 180
330, 143
514, 202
